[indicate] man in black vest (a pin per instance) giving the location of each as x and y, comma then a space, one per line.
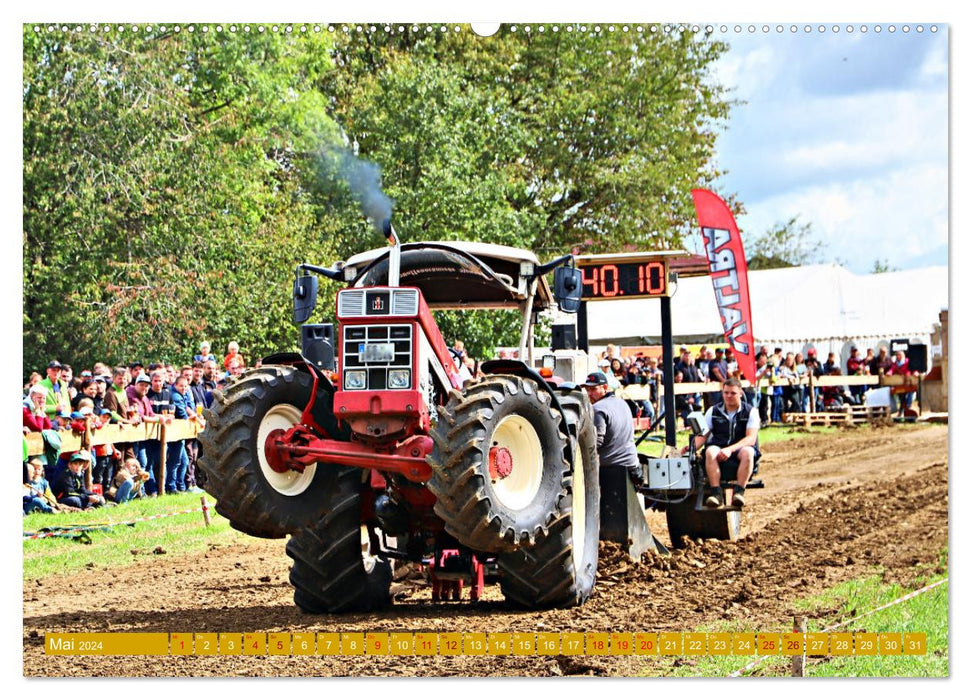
732, 444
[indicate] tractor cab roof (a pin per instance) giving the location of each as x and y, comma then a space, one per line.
456, 274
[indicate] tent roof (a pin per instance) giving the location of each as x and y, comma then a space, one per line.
793, 304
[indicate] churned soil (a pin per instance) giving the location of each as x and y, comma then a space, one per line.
834, 508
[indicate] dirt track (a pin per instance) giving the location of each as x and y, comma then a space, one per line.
831, 510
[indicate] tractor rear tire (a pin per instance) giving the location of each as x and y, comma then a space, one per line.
332, 572
561, 569
683, 520
513, 420
255, 499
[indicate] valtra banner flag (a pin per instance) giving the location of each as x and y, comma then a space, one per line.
729, 275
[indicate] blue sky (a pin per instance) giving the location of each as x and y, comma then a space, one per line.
847, 131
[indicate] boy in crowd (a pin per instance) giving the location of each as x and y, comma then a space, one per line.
69, 485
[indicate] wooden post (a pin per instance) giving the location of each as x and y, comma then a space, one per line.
812, 391
86, 445
799, 660
205, 510
161, 456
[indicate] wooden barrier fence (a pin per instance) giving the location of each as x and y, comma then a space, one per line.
641, 392
175, 429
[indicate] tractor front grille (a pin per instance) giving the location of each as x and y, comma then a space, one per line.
391, 349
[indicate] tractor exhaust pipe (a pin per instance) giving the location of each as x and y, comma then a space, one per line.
394, 257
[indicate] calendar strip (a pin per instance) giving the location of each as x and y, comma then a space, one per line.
483, 644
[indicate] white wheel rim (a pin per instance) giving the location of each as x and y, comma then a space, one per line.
578, 522
517, 435
290, 483
367, 559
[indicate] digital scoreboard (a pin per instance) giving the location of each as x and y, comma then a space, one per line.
631, 276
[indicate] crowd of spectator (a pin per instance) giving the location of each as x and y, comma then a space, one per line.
137, 393
779, 385
132, 394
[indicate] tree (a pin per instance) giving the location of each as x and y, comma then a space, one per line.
172, 180
162, 197
788, 244
550, 141
880, 266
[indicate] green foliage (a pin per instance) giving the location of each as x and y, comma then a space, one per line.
880, 266
162, 196
549, 141
926, 613
172, 181
784, 245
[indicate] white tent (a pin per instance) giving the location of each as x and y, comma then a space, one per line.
824, 306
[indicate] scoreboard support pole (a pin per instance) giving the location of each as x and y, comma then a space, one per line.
582, 342
667, 372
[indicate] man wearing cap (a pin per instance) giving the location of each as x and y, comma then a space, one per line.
615, 428
138, 399
717, 372
69, 484
57, 394
732, 444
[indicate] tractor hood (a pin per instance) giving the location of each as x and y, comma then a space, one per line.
455, 275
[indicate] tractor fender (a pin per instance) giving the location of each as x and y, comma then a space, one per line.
521, 369
320, 410
295, 359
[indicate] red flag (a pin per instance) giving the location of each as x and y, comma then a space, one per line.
729, 275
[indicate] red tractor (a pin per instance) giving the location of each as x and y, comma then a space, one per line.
378, 448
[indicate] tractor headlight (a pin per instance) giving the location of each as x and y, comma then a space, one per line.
399, 379
355, 379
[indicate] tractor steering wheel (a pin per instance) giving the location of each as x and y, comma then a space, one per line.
456, 357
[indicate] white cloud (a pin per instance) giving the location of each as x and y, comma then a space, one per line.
861, 155
863, 220
735, 69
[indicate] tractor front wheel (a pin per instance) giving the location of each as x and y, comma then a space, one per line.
499, 464
561, 568
256, 499
334, 569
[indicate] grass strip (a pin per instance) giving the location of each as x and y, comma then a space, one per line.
766, 436
926, 613
123, 545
